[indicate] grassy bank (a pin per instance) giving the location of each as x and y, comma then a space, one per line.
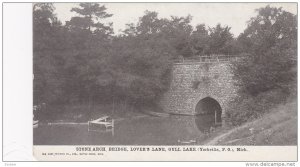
279, 127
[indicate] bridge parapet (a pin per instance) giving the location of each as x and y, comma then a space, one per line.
207, 59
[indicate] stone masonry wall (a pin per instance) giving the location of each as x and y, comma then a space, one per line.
192, 82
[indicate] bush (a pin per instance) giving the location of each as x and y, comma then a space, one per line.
248, 108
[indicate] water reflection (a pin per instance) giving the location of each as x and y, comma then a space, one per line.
209, 108
206, 122
209, 114
142, 131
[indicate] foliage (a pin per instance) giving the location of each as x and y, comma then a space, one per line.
272, 52
219, 39
90, 16
247, 108
200, 40
180, 35
269, 63
47, 40
143, 63
84, 62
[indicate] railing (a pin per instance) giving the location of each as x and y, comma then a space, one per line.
207, 59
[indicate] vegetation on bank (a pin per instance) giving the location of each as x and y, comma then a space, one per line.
82, 63
278, 127
267, 75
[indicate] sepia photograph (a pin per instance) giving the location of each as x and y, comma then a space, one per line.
164, 74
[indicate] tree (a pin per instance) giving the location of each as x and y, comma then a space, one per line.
267, 73
90, 38
270, 39
89, 19
177, 31
219, 39
149, 23
47, 40
200, 40
130, 30
141, 67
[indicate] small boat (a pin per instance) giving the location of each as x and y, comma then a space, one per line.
35, 123
103, 123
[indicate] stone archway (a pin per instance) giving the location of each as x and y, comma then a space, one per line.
209, 106
183, 95
208, 113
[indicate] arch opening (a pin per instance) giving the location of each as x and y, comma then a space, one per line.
208, 114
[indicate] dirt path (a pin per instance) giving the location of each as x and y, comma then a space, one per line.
215, 140
262, 127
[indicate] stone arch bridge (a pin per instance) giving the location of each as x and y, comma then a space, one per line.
197, 85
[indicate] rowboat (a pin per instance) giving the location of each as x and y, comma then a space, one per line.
35, 123
105, 123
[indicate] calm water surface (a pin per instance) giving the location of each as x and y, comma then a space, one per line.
138, 131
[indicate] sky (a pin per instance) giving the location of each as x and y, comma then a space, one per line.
234, 15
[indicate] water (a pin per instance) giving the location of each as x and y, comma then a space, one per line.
139, 131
